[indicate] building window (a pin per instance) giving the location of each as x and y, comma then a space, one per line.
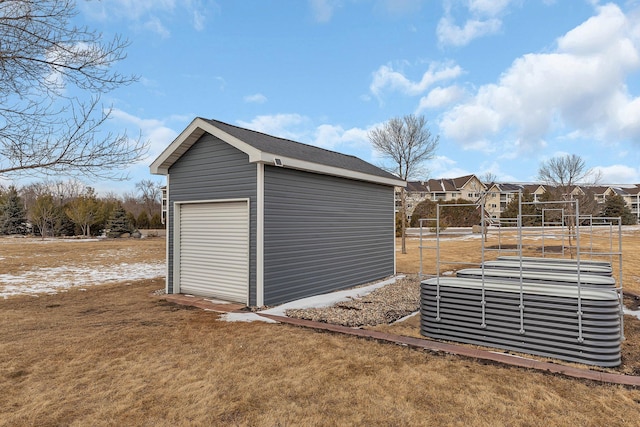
164, 208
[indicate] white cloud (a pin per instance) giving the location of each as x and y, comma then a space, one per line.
300, 128
155, 25
257, 98
618, 174
451, 34
439, 97
290, 126
333, 137
128, 9
388, 78
323, 9
444, 167
484, 18
580, 90
155, 131
198, 20
488, 7
471, 122
150, 15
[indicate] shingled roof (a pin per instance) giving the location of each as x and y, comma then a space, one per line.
268, 149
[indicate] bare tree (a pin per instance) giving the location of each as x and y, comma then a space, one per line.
563, 174
43, 214
406, 143
488, 177
84, 211
52, 75
151, 194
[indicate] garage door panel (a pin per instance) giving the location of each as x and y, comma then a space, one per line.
213, 267
205, 253
214, 250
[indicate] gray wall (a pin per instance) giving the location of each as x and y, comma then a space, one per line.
209, 170
324, 233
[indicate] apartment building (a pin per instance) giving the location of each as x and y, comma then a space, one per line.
465, 187
497, 195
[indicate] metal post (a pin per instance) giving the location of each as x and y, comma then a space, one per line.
483, 302
437, 262
621, 293
577, 218
420, 249
519, 224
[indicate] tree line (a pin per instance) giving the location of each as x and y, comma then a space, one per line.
532, 213
70, 208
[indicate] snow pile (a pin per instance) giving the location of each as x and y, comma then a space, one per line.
53, 280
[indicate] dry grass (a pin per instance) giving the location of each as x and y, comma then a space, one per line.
113, 355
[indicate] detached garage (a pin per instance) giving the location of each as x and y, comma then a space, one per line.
261, 220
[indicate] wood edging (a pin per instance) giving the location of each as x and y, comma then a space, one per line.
435, 346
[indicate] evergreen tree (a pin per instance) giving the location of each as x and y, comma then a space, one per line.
460, 216
133, 222
143, 220
118, 223
156, 221
423, 210
12, 215
615, 206
530, 213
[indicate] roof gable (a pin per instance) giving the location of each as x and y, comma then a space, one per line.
263, 148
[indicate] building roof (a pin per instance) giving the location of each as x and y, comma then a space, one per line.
440, 185
271, 150
417, 187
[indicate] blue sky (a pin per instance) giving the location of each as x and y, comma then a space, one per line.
506, 84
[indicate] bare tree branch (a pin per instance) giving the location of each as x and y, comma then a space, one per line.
52, 75
407, 143
562, 174
565, 172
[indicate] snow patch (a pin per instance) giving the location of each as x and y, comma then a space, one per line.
56, 279
245, 317
632, 312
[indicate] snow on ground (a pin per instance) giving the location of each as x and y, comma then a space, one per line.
324, 300
58, 279
632, 312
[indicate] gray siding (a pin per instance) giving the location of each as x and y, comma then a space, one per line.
324, 233
212, 169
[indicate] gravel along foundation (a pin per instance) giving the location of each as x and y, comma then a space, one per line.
382, 306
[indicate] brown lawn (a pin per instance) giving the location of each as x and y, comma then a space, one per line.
114, 355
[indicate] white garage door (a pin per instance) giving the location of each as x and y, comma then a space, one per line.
213, 250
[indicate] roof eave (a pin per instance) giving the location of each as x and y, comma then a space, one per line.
199, 127
303, 165
188, 137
